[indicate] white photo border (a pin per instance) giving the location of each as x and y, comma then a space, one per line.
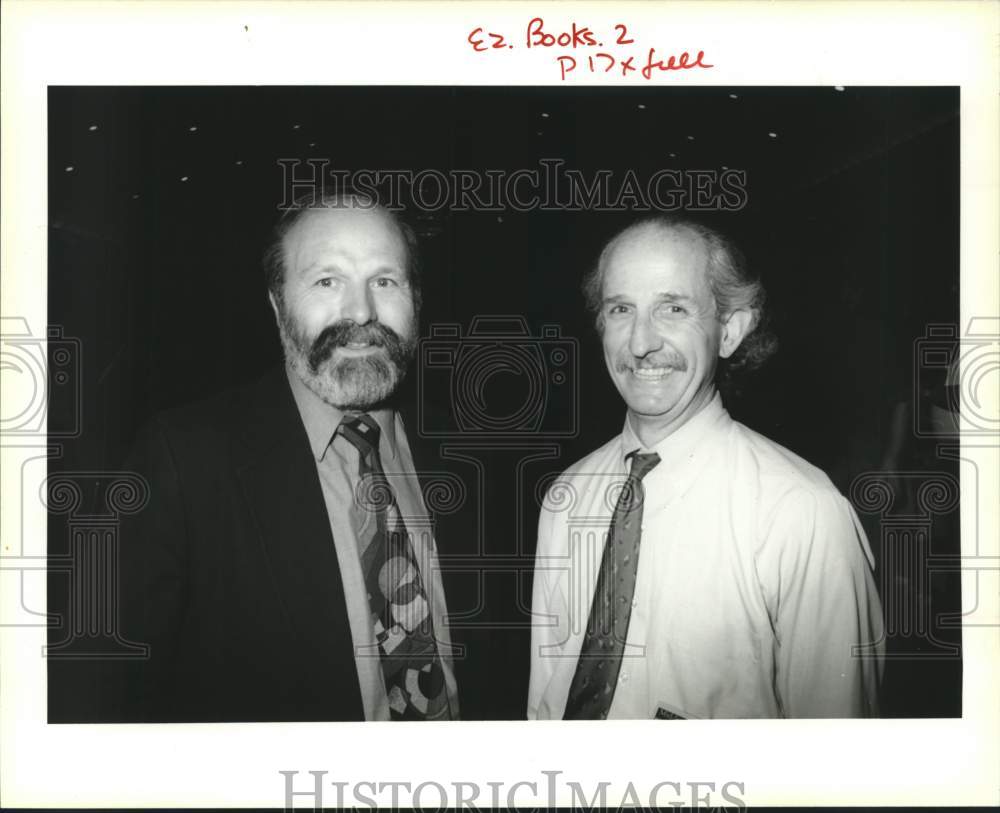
888, 762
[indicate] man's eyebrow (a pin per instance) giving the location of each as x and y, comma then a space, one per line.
322, 264
323, 267
314, 267
661, 296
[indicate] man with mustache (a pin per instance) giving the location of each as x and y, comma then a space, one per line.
691, 568
284, 568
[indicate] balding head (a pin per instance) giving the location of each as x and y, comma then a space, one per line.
313, 204
731, 284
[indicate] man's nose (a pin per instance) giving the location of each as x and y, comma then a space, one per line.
359, 307
644, 339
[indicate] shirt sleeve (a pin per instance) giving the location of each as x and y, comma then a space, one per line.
815, 571
543, 626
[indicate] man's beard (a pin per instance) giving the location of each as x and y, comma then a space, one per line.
354, 382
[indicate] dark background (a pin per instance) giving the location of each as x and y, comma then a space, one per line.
852, 218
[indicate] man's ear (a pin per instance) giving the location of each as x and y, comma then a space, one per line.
735, 327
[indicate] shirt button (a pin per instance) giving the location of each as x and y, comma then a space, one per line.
635, 603
623, 677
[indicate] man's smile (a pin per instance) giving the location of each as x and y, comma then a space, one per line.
358, 347
651, 373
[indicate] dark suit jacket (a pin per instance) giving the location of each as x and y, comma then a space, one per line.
230, 573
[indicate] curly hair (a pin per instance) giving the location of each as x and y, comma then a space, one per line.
733, 287
274, 256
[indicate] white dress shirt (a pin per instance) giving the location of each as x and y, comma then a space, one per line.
337, 465
754, 594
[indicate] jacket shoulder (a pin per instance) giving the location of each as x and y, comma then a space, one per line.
209, 424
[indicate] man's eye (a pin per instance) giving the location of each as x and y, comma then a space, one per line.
673, 310
324, 282
615, 310
385, 282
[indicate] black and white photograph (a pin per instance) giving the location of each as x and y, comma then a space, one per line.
725, 276
503, 405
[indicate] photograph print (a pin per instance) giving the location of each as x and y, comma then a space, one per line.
503, 403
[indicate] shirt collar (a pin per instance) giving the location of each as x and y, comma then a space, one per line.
680, 445
321, 420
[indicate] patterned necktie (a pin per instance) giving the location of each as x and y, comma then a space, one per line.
596, 676
400, 612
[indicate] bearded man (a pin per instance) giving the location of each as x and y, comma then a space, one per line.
283, 569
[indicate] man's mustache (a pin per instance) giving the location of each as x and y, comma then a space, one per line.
627, 361
345, 332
